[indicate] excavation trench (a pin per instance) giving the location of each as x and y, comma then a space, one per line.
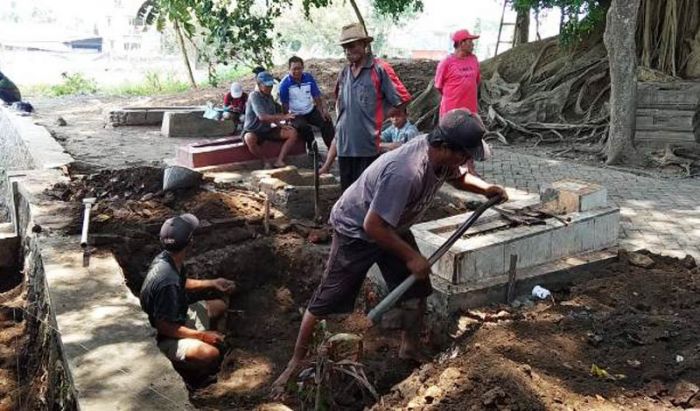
275, 270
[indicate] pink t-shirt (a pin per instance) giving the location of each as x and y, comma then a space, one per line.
458, 79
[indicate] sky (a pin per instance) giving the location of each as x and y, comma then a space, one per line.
451, 15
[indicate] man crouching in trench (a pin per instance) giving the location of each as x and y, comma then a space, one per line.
184, 325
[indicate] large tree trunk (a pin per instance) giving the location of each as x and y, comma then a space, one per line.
522, 28
620, 42
183, 49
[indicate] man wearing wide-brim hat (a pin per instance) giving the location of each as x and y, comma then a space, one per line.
368, 91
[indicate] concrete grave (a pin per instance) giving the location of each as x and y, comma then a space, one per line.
232, 153
292, 191
480, 259
192, 124
144, 116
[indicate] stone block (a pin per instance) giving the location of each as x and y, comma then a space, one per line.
571, 196
143, 116
192, 124
293, 193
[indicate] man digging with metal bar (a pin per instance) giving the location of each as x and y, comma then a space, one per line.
184, 324
372, 221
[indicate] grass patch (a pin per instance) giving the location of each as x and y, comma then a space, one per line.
78, 84
153, 84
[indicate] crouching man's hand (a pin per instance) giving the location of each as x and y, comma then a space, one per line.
496, 191
224, 285
211, 337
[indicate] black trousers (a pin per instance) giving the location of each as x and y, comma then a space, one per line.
351, 168
304, 122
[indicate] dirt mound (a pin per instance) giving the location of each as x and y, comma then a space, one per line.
638, 325
415, 74
128, 184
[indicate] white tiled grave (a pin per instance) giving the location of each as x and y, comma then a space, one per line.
481, 258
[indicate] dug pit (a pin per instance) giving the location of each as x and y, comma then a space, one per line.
275, 274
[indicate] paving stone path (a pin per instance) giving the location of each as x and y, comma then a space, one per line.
661, 215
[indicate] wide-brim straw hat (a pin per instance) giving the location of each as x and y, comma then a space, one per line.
353, 32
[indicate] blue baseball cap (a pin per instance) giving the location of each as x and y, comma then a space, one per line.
265, 78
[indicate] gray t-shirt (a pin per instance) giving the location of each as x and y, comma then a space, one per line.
399, 186
258, 103
362, 103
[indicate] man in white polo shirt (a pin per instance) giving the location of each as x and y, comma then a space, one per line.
300, 95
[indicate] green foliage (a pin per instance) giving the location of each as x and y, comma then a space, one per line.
580, 17
243, 31
73, 84
397, 8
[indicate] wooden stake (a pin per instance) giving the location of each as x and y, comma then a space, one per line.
266, 216
511, 278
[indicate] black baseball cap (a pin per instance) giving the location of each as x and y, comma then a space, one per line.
462, 130
176, 232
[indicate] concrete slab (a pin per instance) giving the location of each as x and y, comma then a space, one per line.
192, 124
228, 153
144, 116
108, 343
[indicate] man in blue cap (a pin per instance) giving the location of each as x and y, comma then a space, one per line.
264, 123
183, 324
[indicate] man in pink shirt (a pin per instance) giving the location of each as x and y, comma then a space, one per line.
457, 77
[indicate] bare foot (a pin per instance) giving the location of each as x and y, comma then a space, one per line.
280, 384
279, 164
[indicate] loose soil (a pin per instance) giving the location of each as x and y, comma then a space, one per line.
640, 325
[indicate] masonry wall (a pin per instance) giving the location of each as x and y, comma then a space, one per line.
44, 350
14, 155
25, 146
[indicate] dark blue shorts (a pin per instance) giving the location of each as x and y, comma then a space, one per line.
348, 263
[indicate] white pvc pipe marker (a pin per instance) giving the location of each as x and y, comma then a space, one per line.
86, 221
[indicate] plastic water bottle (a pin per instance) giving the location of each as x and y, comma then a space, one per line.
541, 292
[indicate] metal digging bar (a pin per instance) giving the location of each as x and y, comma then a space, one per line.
376, 313
317, 200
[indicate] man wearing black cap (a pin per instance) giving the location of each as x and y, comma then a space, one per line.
183, 336
372, 221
